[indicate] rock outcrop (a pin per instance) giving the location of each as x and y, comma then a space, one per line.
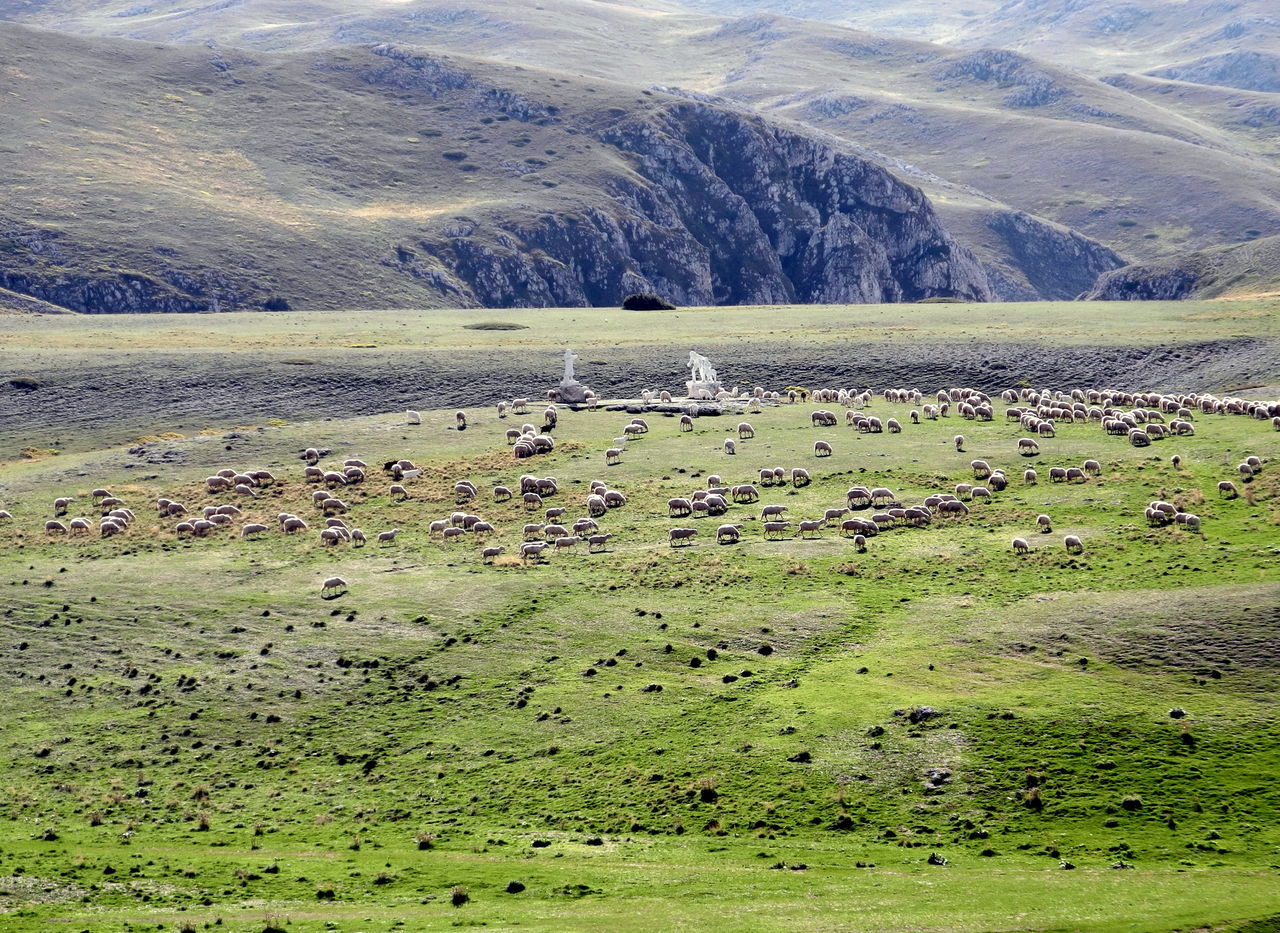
722, 208
1241, 270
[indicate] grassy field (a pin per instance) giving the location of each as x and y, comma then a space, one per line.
714, 737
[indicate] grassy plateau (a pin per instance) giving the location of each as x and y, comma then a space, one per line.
934, 734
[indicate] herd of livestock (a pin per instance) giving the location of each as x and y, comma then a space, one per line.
859, 514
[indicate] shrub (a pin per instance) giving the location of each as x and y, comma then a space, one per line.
458, 895
495, 325
1131, 803
646, 301
276, 304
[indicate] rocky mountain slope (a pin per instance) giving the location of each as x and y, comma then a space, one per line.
1247, 270
212, 180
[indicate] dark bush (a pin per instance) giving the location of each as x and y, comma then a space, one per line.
276, 304
644, 301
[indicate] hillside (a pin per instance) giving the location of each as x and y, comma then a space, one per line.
986, 133
796, 729
1249, 270
377, 176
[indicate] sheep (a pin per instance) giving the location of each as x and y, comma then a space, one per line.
822, 449
613, 456
716, 504
1045, 523
679, 506
596, 505
219, 519
860, 543
388, 537
728, 534
519, 406
613, 499
686, 423
253, 528
772, 511
331, 584
953, 507
489, 554
1092, 467
292, 525
450, 533
334, 523
584, 525
358, 538
1192, 522
354, 474
107, 528
882, 496
745, 430
79, 525
775, 528
1029, 477
532, 549
958, 440
810, 525
565, 542
55, 527
682, 536
1254, 463
1074, 474
1073, 544
333, 505
330, 536
550, 418
729, 446
180, 529
555, 531
963, 489
1028, 447
1245, 471
1020, 546
744, 492
1228, 489
1057, 475
894, 426
437, 527
5, 515
532, 500
461, 418
243, 489
980, 492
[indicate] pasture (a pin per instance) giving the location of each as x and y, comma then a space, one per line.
789, 734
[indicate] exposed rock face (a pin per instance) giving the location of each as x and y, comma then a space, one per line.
1057, 263
1144, 283
723, 209
1031, 86
1251, 268
1247, 70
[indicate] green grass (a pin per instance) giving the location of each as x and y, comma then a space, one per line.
158, 685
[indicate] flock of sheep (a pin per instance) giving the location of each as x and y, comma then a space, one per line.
859, 514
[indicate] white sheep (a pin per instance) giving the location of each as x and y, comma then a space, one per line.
1073, 544
388, 537
413, 417
821, 449
730, 447
745, 430
728, 534
613, 455
958, 440
252, 528
489, 554
358, 537
1020, 546
331, 584
682, 536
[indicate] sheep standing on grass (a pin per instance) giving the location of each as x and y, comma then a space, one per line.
958, 440
821, 449
1020, 546
332, 585
1073, 544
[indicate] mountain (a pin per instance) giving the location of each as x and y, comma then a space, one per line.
1246, 270
213, 180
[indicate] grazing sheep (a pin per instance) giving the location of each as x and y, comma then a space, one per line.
253, 528
728, 534
311, 455
461, 418
1020, 546
358, 537
980, 492
821, 449
772, 511
243, 489
79, 526
808, 525
682, 536
1044, 523
1075, 473
953, 507
1028, 447
612, 456
1029, 477
981, 469
894, 426
775, 528
532, 549
596, 505
745, 430
1192, 522
1073, 544
1057, 475
450, 533
555, 531
613, 499
292, 525
532, 500
860, 543
182, 528
489, 554
686, 423
333, 505
1254, 463
679, 506
1228, 489
963, 489
331, 584
388, 537
882, 496
1092, 467
55, 527
729, 446
330, 536
800, 477
958, 440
